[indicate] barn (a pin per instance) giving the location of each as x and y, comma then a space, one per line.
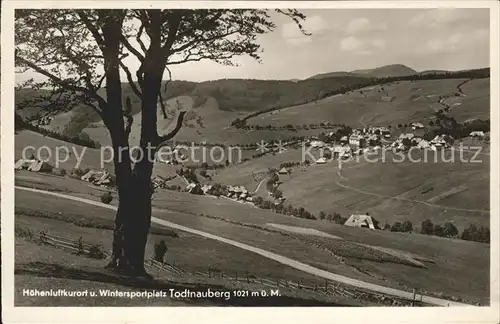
360, 221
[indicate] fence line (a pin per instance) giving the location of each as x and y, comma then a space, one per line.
329, 288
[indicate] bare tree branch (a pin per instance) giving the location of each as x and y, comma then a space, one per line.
64, 83
139, 40
82, 65
174, 22
162, 139
132, 49
127, 113
160, 97
93, 29
162, 105
131, 82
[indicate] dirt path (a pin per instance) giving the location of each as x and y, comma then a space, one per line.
459, 86
459, 89
270, 255
184, 179
364, 122
258, 186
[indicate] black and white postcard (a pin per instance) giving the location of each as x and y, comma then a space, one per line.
260, 161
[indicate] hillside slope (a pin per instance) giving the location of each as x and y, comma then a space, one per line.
410, 101
238, 95
389, 191
392, 70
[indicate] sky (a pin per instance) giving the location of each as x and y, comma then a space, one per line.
350, 39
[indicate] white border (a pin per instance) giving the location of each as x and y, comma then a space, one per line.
12, 314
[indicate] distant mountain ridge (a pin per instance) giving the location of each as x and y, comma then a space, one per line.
392, 70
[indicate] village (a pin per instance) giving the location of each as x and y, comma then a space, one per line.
344, 144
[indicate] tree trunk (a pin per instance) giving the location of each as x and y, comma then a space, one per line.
133, 219
134, 206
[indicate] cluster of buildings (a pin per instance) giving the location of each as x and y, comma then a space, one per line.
477, 134
160, 182
407, 140
416, 126
44, 121
33, 165
198, 189
173, 157
362, 138
97, 177
100, 178
363, 221
239, 193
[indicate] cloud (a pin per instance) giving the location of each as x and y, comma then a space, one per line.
378, 43
435, 18
350, 44
361, 47
364, 25
314, 25
456, 42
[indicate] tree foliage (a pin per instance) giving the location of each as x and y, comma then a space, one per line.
427, 227
77, 52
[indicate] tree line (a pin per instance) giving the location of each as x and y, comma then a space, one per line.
474, 232
82, 139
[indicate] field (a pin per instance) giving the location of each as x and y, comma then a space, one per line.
186, 251
360, 254
47, 148
219, 102
389, 191
215, 125
91, 158
414, 101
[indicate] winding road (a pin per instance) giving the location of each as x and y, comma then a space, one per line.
270, 255
258, 186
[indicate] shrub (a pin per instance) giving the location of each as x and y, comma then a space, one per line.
407, 226
106, 198
77, 172
450, 230
258, 201
427, 227
322, 215
277, 194
306, 215
338, 219
475, 233
96, 252
438, 230
266, 204
397, 227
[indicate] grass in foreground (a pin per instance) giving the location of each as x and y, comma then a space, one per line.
44, 268
461, 268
